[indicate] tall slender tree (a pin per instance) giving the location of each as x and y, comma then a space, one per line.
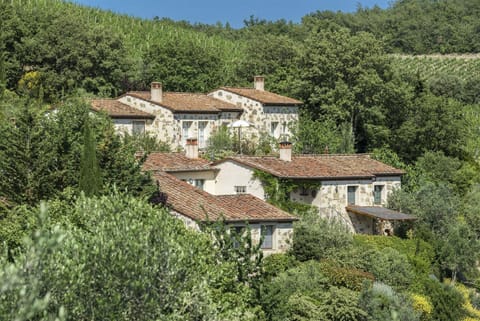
90, 181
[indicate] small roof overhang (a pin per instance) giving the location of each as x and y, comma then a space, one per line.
379, 212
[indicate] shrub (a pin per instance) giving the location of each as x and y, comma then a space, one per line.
419, 256
446, 301
317, 238
422, 305
277, 263
352, 279
382, 303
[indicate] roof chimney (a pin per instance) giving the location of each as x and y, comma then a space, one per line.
259, 83
286, 151
191, 148
156, 92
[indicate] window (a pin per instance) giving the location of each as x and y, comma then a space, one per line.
304, 191
202, 139
351, 193
236, 232
377, 194
240, 189
273, 128
185, 131
199, 183
267, 233
138, 127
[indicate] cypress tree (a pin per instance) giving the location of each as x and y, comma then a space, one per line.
3, 75
90, 181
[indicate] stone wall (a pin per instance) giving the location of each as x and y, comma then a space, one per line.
168, 126
260, 116
331, 199
282, 232
282, 235
164, 126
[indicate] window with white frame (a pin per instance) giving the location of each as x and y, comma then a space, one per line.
202, 134
274, 129
138, 127
199, 183
267, 234
377, 194
240, 189
186, 125
351, 195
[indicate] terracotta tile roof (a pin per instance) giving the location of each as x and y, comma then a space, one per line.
188, 102
196, 204
265, 97
319, 166
116, 109
174, 162
253, 208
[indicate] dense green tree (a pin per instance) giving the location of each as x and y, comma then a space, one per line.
184, 65
322, 137
122, 260
41, 153
90, 181
27, 157
432, 124
347, 78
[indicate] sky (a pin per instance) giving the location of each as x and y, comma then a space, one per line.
231, 11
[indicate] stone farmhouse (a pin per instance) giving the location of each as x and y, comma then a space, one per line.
268, 112
350, 188
175, 117
194, 206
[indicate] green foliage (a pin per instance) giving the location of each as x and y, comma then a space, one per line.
432, 124
220, 144
238, 250
145, 143
41, 153
126, 260
275, 264
278, 192
381, 303
441, 223
304, 293
346, 77
345, 277
27, 157
321, 136
90, 181
317, 238
446, 301
446, 74
394, 259
23, 295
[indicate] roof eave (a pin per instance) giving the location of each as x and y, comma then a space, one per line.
131, 116
259, 220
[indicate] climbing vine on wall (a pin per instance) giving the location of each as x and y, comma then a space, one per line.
277, 191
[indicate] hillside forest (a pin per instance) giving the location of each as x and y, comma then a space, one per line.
79, 239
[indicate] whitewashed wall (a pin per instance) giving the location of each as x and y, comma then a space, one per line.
232, 174
207, 176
